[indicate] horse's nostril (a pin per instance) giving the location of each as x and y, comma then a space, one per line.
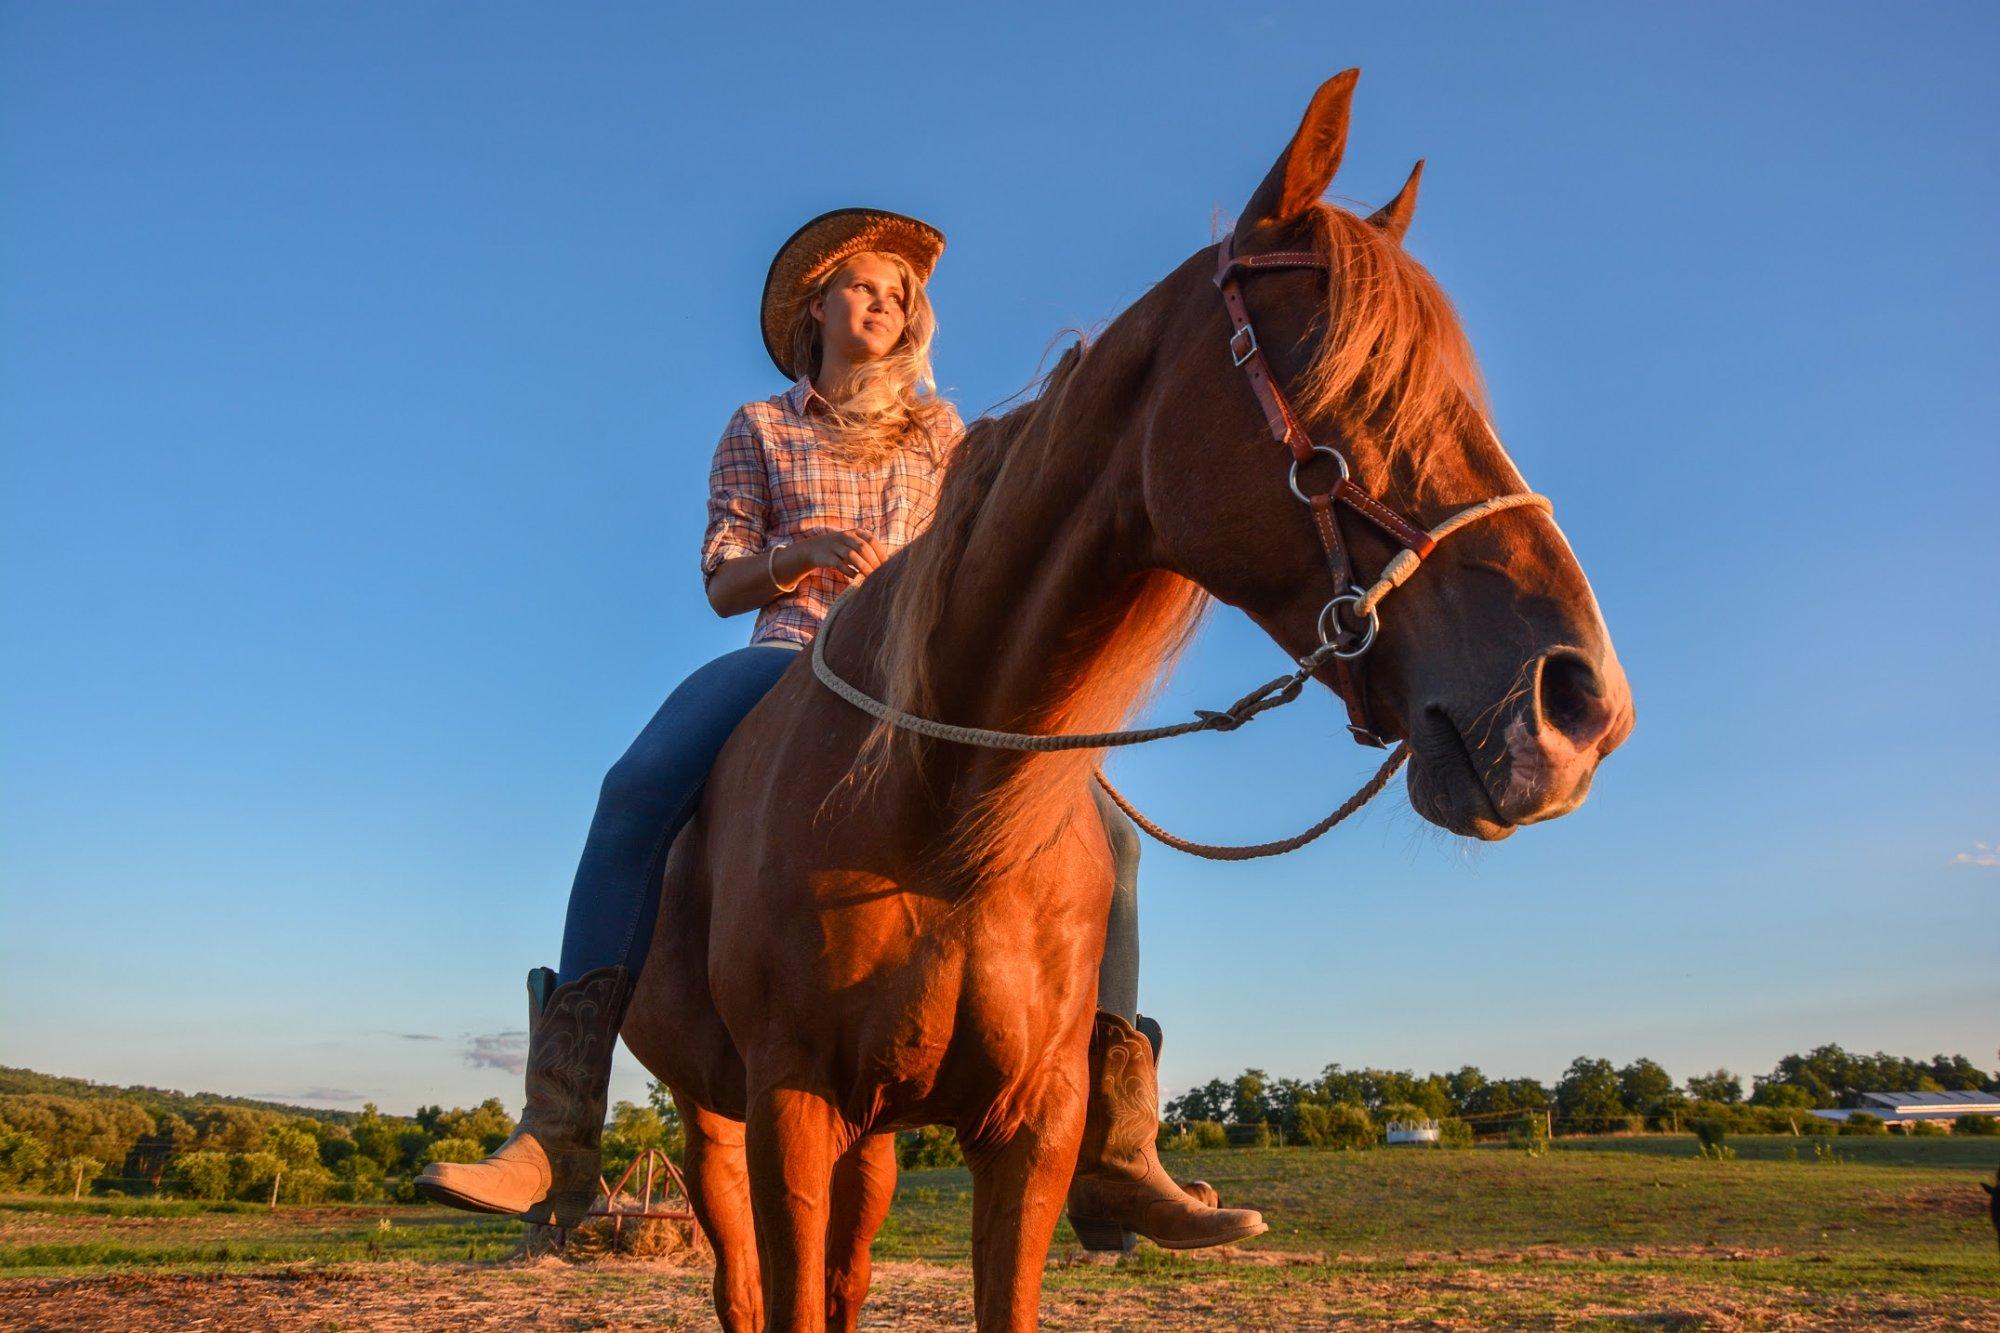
1572, 698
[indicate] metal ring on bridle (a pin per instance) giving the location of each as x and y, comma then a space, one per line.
1331, 631
1292, 477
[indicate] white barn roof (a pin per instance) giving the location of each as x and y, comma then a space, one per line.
1931, 1103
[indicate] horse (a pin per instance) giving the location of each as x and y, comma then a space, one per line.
862, 931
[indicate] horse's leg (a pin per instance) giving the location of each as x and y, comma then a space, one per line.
864, 1183
719, 1191
1017, 1195
793, 1139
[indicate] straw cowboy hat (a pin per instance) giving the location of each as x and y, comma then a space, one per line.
817, 247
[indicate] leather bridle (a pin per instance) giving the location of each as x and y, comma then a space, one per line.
1339, 642
1343, 641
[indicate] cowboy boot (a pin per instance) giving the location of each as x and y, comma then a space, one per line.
548, 1171
1120, 1185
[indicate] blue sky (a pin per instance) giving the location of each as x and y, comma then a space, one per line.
360, 366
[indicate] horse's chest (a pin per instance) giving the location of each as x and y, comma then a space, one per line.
957, 1003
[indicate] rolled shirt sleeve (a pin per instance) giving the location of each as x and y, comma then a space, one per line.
739, 496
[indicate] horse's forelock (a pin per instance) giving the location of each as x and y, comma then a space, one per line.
1394, 354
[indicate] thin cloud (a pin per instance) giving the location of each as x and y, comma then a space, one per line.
409, 1036
1985, 855
505, 1051
308, 1095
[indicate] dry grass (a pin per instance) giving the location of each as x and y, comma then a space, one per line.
1384, 1239
1515, 1292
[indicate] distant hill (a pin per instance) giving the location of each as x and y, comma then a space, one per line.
155, 1100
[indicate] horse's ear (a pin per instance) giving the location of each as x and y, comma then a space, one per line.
1394, 216
1306, 167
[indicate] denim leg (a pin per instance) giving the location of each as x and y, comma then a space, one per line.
1118, 973
646, 798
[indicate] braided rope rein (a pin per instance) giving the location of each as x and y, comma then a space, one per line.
1274, 693
1215, 851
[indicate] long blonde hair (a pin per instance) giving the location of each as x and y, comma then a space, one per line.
894, 403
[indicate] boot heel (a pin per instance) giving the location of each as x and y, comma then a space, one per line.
1103, 1237
559, 1210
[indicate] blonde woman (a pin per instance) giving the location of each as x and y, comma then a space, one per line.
810, 490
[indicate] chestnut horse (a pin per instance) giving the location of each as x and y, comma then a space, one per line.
863, 932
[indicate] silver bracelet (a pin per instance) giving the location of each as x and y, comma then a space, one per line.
771, 569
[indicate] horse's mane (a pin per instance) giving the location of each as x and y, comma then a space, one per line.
1393, 358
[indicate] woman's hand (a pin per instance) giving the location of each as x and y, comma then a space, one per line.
851, 551
744, 583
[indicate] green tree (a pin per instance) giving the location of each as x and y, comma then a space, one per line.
1508, 1094
73, 1127
293, 1144
1284, 1098
202, 1175
1348, 1126
1783, 1096
1247, 1105
412, 1145
308, 1182
661, 1098
1955, 1073
1587, 1095
1466, 1087
453, 1150
1336, 1085
24, 1161
358, 1178
73, 1175
928, 1148
1312, 1124
175, 1132
1211, 1101
379, 1138
1433, 1093
487, 1124
1718, 1085
1644, 1087
335, 1149
1833, 1077
634, 1130
1405, 1113
251, 1174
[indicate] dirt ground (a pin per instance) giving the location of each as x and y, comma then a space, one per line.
1513, 1291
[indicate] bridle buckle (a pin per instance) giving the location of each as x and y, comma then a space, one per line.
1250, 348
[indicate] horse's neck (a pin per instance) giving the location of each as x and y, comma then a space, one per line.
1049, 626
1049, 564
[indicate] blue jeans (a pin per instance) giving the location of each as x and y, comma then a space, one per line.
651, 792
648, 795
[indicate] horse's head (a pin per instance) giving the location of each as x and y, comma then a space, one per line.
1492, 660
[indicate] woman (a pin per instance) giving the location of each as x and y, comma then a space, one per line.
810, 491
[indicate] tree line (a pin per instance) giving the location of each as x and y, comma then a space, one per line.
89, 1138
72, 1137
1592, 1096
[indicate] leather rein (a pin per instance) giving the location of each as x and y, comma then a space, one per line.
1347, 625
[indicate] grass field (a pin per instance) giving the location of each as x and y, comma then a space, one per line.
1599, 1233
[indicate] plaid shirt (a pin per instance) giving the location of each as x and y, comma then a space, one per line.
773, 481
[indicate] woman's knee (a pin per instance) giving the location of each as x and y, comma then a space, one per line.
632, 786
1123, 835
